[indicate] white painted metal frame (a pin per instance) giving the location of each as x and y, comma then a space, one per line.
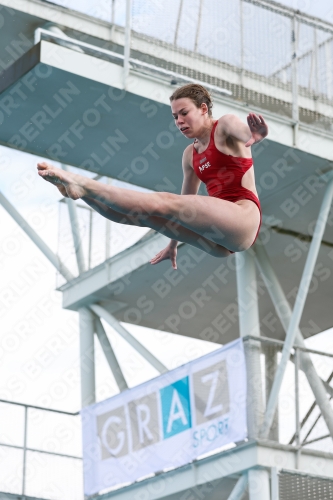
114, 323
297, 410
270, 352
37, 240
242, 52
246, 283
132, 62
274, 484
75, 231
286, 11
180, 10
294, 79
239, 489
197, 32
249, 323
284, 313
110, 355
127, 46
86, 317
298, 308
328, 57
259, 485
87, 357
25, 448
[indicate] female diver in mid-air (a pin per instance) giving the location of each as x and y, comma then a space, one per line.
226, 221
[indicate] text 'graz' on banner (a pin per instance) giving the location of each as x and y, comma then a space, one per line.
166, 422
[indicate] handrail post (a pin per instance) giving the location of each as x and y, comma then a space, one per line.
241, 16
90, 238
77, 237
127, 43
328, 61
274, 484
113, 17
24, 450
297, 414
294, 80
87, 357
315, 65
107, 232
180, 10
198, 27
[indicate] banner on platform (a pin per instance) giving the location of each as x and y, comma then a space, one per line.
166, 422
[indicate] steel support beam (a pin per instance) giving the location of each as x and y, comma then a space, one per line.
249, 325
315, 62
242, 51
294, 79
87, 357
109, 318
110, 355
86, 319
259, 485
113, 18
298, 308
180, 10
52, 257
271, 352
328, 60
297, 411
274, 484
327, 386
239, 488
284, 313
310, 410
75, 230
197, 32
127, 45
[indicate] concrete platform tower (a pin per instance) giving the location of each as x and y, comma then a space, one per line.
94, 94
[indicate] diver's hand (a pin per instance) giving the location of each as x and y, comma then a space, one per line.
169, 252
258, 128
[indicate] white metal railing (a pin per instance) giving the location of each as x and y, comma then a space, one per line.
262, 41
303, 423
313, 487
125, 60
25, 448
308, 426
282, 58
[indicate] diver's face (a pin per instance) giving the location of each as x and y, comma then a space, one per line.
188, 117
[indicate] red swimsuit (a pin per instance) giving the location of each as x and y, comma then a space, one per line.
223, 174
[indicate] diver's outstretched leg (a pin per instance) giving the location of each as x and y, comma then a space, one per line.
164, 226
231, 225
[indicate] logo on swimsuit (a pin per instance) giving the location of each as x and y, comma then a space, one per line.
205, 165
202, 160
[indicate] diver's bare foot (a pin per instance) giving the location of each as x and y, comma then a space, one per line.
63, 191
65, 181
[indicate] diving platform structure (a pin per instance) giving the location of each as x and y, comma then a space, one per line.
94, 95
